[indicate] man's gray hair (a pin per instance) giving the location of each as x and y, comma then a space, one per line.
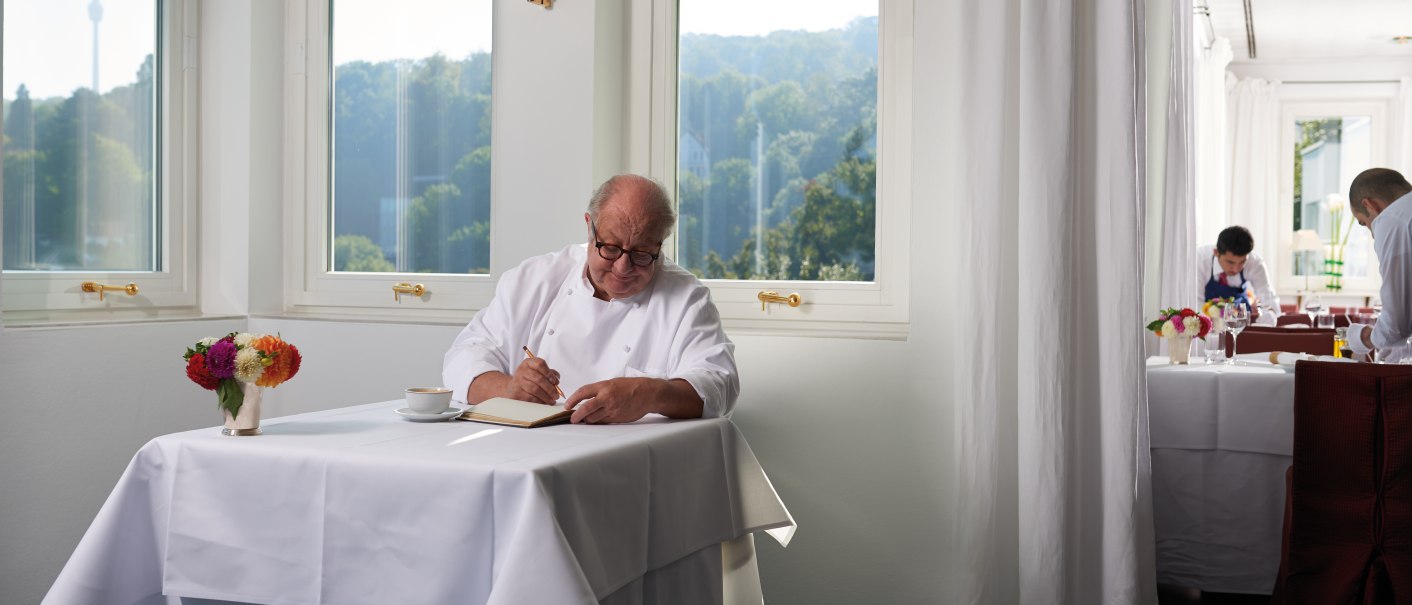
659, 202
1382, 184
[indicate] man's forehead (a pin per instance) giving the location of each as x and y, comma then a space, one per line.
1232, 257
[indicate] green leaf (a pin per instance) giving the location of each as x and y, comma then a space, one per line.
230, 396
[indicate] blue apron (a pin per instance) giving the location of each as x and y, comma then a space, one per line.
1216, 289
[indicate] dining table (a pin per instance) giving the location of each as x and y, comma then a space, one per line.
1221, 441
358, 505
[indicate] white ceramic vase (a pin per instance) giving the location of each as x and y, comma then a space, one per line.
247, 422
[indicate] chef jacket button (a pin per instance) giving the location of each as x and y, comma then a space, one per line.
627, 349
551, 331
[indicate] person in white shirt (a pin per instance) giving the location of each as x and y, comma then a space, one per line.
615, 324
1231, 270
1379, 199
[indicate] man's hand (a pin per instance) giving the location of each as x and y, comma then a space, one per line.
533, 381
628, 399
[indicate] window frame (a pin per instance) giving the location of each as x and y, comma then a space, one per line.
310, 287
877, 309
1378, 109
170, 290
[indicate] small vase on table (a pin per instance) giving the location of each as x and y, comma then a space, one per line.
246, 421
1179, 348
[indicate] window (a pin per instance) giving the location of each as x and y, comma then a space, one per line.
399, 125
94, 166
788, 156
1327, 145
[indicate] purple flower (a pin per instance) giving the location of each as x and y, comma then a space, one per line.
220, 359
1177, 324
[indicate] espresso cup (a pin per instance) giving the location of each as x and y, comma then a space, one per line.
428, 400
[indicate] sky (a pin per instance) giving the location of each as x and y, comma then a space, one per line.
61, 32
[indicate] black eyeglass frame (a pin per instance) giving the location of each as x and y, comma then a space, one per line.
610, 252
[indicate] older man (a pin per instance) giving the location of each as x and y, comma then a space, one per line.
1381, 200
614, 323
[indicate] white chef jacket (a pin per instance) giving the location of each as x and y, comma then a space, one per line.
1255, 274
1392, 241
670, 330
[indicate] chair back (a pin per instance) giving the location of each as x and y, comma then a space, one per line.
1292, 318
1348, 510
1262, 339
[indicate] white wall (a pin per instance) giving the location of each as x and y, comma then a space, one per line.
855, 434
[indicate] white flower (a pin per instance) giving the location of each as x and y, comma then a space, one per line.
243, 339
247, 365
207, 341
1336, 201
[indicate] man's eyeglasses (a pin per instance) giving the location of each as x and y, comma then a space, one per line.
611, 252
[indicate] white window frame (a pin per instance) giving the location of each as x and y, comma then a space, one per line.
310, 287
45, 296
876, 309
1378, 109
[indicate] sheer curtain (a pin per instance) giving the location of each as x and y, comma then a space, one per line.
1254, 134
1211, 191
1054, 503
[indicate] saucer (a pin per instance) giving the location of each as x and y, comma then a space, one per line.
420, 417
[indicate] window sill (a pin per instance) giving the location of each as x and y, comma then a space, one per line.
26, 320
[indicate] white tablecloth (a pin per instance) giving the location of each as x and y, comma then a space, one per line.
357, 505
1222, 438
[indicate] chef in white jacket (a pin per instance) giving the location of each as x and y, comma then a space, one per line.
614, 324
1381, 200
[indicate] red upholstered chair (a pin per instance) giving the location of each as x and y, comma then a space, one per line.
1294, 318
1348, 502
1261, 339
1287, 308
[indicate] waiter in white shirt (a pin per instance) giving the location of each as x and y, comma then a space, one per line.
614, 323
1379, 199
1231, 270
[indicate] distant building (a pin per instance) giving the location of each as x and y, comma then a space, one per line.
694, 156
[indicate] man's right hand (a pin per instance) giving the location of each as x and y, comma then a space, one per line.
534, 381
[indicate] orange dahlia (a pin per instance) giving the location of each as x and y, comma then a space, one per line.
284, 360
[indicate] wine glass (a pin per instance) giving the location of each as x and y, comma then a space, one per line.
1237, 317
1312, 306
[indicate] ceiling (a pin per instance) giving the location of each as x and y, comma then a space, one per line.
1313, 29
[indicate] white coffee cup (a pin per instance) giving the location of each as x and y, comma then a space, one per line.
428, 400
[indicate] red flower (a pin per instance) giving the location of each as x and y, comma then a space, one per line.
1188, 313
198, 373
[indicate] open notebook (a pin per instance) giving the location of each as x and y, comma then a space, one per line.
512, 412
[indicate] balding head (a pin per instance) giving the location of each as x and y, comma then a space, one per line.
640, 198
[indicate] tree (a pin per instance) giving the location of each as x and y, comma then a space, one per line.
358, 253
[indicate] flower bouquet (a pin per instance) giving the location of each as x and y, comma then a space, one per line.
1179, 326
1214, 309
237, 367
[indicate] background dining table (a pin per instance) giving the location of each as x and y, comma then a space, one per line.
1221, 440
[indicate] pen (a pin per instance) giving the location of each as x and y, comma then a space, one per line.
531, 356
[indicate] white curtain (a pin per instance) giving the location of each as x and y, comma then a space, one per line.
1404, 111
1054, 503
1253, 131
1212, 213
1178, 227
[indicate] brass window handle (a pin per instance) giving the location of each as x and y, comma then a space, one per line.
93, 286
770, 296
399, 289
